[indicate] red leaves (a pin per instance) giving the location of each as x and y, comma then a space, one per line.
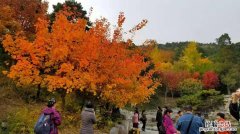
210, 80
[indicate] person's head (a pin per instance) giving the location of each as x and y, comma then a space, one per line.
220, 116
180, 113
143, 111
89, 104
238, 92
159, 108
136, 110
51, 102
199, 114
165, 107
188, 108
168, 112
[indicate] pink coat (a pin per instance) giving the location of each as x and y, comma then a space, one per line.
168, 124
135, 118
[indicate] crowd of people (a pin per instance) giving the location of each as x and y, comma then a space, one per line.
183, 123
188, 122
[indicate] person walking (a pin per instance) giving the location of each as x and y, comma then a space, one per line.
159, 118
51, 119
88, 119
135, 118
189, 123
168, 123
144, 120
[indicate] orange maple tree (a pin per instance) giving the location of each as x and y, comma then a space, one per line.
71, 58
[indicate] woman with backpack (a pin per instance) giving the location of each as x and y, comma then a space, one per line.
49, 120
168, 123
88, 119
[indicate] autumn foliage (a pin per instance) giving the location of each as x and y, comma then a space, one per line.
210, 80
71, 58
8, 25
26, 12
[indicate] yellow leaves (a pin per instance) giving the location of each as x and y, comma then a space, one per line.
192, 60
93, 87
164, 66
205, 61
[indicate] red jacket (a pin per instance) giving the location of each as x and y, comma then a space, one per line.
225, 132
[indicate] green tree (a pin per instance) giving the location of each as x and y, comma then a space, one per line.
224, 39
202, 100
190, 86
74, 8
231, 79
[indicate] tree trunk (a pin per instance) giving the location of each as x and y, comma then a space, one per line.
165, 95
228, 90
172, 94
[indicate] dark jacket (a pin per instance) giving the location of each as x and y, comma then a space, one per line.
159, 116
56, 118
144, 117
235, 110
88, 119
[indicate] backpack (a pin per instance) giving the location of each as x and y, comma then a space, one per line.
44, 124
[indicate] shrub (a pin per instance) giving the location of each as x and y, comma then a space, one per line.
190, 86
22, 120
202, 100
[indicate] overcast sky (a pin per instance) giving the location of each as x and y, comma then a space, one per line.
171, 20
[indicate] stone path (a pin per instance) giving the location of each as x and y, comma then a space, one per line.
149, 129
